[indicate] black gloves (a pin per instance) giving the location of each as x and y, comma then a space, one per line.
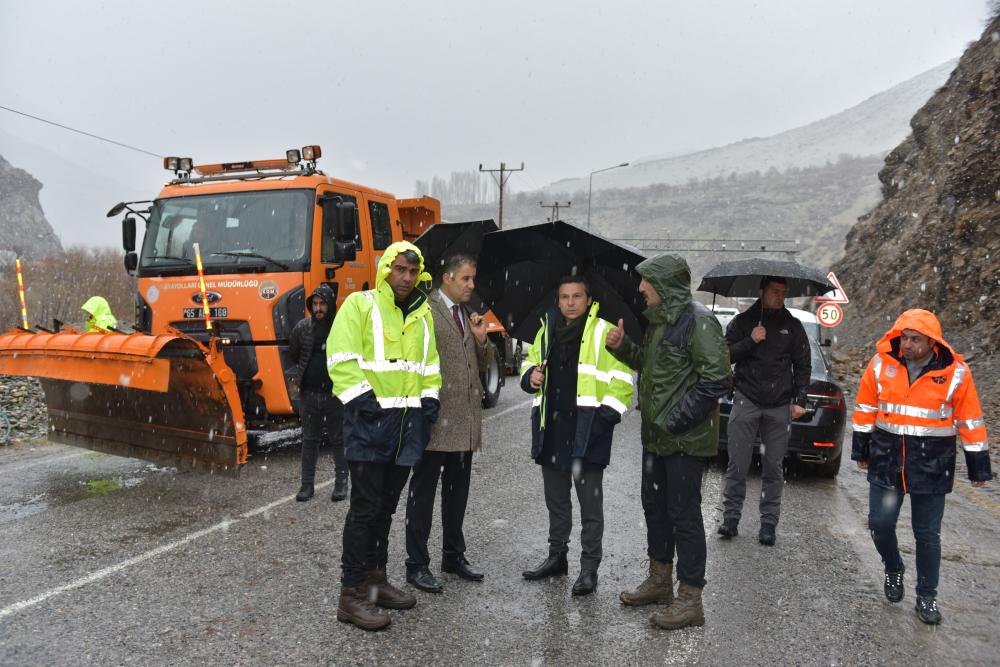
431, 407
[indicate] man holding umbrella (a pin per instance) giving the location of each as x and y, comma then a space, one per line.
581, 392
773, 365
683, 371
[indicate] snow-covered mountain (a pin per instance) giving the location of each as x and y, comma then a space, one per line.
873, 127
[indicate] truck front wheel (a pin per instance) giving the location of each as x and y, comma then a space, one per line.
492, 380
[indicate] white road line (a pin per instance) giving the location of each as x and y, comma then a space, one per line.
41, 462
153, 553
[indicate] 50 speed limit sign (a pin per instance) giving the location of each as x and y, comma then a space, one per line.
830, 314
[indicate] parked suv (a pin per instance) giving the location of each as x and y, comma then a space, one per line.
816, 437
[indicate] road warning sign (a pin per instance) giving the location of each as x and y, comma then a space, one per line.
837, 296
830, 314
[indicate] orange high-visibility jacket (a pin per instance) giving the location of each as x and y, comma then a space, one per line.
907, 431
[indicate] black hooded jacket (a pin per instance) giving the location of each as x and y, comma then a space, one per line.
775, 371
307, 343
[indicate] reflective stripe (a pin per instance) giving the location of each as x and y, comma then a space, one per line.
864, 407
341, 357
393, 402
395, 365
587, 402
536, 401
976, 446
378, 334
970, 423
604, 376
429, 393
355, 391
911, 411
956, 379
864, 428
427, 341
910, 429
433, 369
613, 402
526, 366
877, 368
598, 337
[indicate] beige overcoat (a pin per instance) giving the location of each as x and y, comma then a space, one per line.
460, 422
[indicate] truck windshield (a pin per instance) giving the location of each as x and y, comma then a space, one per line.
264, 229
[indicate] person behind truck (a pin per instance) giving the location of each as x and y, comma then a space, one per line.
916, 398
99, 316
321, 412
383, 360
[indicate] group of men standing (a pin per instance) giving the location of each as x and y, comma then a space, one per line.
403, 368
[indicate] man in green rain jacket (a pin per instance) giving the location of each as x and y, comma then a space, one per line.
683, 367
99, 314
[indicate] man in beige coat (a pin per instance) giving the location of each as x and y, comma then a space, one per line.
465, 351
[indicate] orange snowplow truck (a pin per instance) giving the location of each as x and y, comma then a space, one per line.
185, 390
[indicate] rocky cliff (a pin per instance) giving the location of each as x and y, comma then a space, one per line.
24, 231
934, 240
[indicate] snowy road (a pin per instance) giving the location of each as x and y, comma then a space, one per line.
115, 561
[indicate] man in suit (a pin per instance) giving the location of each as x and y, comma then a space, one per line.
465, 351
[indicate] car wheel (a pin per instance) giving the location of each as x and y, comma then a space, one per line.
492, 380
830, 468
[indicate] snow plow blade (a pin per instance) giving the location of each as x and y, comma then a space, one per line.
164, 399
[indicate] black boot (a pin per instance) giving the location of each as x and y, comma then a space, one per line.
586, 583
552, 566
766, 535
459, 565
339, 488
893, 586
305, 493
729, 528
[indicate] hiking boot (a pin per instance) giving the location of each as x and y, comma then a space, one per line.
339, 488
927, 610
685, 610
552, 566
894, 585
728, 529
657, 588
385, 594
766, 535
305, 493
354, 607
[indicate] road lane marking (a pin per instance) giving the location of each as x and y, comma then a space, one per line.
43, 461
153, 553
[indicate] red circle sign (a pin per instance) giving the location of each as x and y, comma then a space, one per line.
830, 314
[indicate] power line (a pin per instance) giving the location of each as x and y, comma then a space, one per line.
501, 182
87, 134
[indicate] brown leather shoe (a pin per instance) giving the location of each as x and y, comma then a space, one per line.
386, 595
686, 610
657, 588
354, 607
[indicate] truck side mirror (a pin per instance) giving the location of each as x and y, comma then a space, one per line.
827, 343
128, 233
131, 261
340, 228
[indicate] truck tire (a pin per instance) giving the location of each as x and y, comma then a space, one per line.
830, 469
492, 381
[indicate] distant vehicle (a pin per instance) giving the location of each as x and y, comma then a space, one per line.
816, 437
724, 314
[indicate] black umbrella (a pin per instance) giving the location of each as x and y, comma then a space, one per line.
442, 240
519, 272
741, 277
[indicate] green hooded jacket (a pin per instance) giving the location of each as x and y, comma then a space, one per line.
683, 365
101, 318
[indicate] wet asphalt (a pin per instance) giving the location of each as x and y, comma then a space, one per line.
114, 561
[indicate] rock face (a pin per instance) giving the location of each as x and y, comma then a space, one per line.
934, 240
24, 231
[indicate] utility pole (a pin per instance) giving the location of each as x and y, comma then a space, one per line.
501, 182
555, 209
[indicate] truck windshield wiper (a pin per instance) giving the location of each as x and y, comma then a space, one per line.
251, 253
180, 259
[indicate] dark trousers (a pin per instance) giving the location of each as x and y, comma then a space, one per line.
927, 512
746, 420
455, 471
375, 491
671, 500
590, 495
322, 415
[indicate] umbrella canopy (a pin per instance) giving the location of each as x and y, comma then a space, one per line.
442, 240
519, 272
741, 277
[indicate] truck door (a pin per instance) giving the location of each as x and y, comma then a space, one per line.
347, 277
380, 227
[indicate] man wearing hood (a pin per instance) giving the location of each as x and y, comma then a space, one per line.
915, 397
99, 315
773, 364
581, 392
318, 408
383, 360
683, 367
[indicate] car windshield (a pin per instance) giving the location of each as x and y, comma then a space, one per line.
235, 228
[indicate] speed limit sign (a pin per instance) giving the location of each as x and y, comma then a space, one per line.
830, 314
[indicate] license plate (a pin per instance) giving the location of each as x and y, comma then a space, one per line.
196, 313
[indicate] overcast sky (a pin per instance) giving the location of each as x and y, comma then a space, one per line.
399, 91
